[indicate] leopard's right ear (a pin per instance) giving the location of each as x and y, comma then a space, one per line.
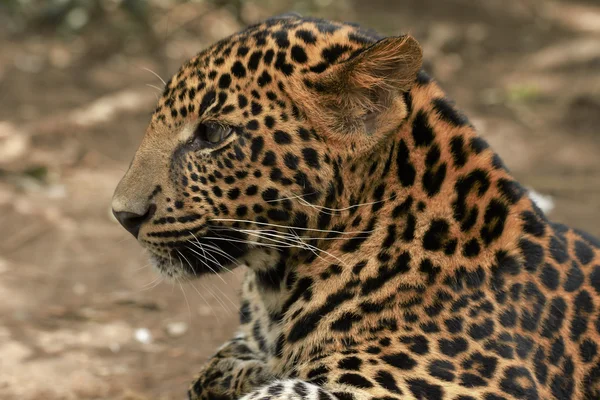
357, 96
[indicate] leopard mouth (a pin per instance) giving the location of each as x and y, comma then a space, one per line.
214, 252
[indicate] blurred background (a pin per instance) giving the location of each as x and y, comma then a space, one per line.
82, 315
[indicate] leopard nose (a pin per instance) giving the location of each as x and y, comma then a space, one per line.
132, 222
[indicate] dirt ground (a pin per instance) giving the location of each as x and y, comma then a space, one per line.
82, 315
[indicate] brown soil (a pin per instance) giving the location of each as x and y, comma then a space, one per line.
77, 298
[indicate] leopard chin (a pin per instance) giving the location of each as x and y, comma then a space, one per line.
171, 269
190, 264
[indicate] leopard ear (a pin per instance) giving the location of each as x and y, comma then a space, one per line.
364, 94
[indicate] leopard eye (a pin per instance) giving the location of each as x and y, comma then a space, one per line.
210, 135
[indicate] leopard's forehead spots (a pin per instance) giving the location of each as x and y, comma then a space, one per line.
232, 75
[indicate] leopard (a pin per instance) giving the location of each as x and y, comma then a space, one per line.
388, 253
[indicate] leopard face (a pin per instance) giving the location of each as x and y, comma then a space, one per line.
250, 139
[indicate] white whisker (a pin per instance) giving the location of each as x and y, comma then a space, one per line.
254, 243
225, 237
217, 298
297, 240
189, 281
155, 282
289, 227
221, 252
186, 300
234, 304
333, 210
188, 261
281, 242
142, 267
214, 259
155, 74
205, 264
154, 87
192, 269
208, 266
285, 233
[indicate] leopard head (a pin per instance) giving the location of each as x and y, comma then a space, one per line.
250, 141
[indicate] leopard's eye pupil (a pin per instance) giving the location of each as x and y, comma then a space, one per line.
200, 133
214, 135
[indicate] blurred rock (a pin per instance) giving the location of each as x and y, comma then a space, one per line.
60, 57
176, 329
115, 347
131, 395
491, 96
77, 18
106, 108
56, 191
92, 334
477, 32
439, 36
143, 335
86, 385
564, 53
79, 289
579, 17
31, 63
448, 65
3, 265
14, 352
13, 143
583, 112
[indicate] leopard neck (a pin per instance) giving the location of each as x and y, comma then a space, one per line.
435, 201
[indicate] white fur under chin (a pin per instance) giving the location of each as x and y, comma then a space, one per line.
174, 269
170, 269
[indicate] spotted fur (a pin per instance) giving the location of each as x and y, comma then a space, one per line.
389, 252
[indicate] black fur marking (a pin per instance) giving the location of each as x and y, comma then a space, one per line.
424, 390
435, 236
442, 369
448, 113
459, 154
345, 322
400, 360
309, 322
404, 168
422, 132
